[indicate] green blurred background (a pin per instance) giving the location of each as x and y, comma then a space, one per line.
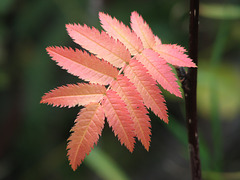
33, 136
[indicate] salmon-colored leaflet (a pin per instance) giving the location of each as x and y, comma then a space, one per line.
119, 119
157, 41
121, 32
100, 44
83, 65
85, 133
172, 55
142, 30
177, 47
74, 94
160, 71
146, 86
128, 92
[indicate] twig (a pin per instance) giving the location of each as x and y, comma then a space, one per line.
191, 93
189, 85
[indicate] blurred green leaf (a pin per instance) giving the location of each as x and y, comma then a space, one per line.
226, 81
220, 11
180, 132
4, 80
104, 166
215, 60
209, 175
5, 5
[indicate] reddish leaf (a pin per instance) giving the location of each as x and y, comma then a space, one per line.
130, 87
85, 133
177, 47
100, 44
172, 55
74, 94
157, 41
119, 119
146, 86
128, 92
83, 65
142, 30
159, 70
121, 32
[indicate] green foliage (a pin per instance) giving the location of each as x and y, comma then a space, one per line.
220, 11
219, 82
105, 166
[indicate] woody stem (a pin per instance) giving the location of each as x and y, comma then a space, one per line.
190, 92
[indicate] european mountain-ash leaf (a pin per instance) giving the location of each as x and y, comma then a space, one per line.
123, 71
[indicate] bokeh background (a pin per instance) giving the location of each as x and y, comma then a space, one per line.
33, 136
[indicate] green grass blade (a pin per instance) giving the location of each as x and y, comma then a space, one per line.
104, 166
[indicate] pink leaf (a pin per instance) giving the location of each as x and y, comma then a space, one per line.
172, 55
177, 47
157, 41
159, 70
143, 31
121, 32
146, 86
74, 94
140, 61
100, 44
83, 65
119, 119
85, 133
128, 92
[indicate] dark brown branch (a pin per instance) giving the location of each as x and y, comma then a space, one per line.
189, 85
190, 92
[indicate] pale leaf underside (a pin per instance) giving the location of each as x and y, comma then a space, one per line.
74, 94
100, 44
128, 92
119, 119
85, 133
83, 65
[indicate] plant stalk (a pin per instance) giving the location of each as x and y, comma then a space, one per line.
189, 85
190, 92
